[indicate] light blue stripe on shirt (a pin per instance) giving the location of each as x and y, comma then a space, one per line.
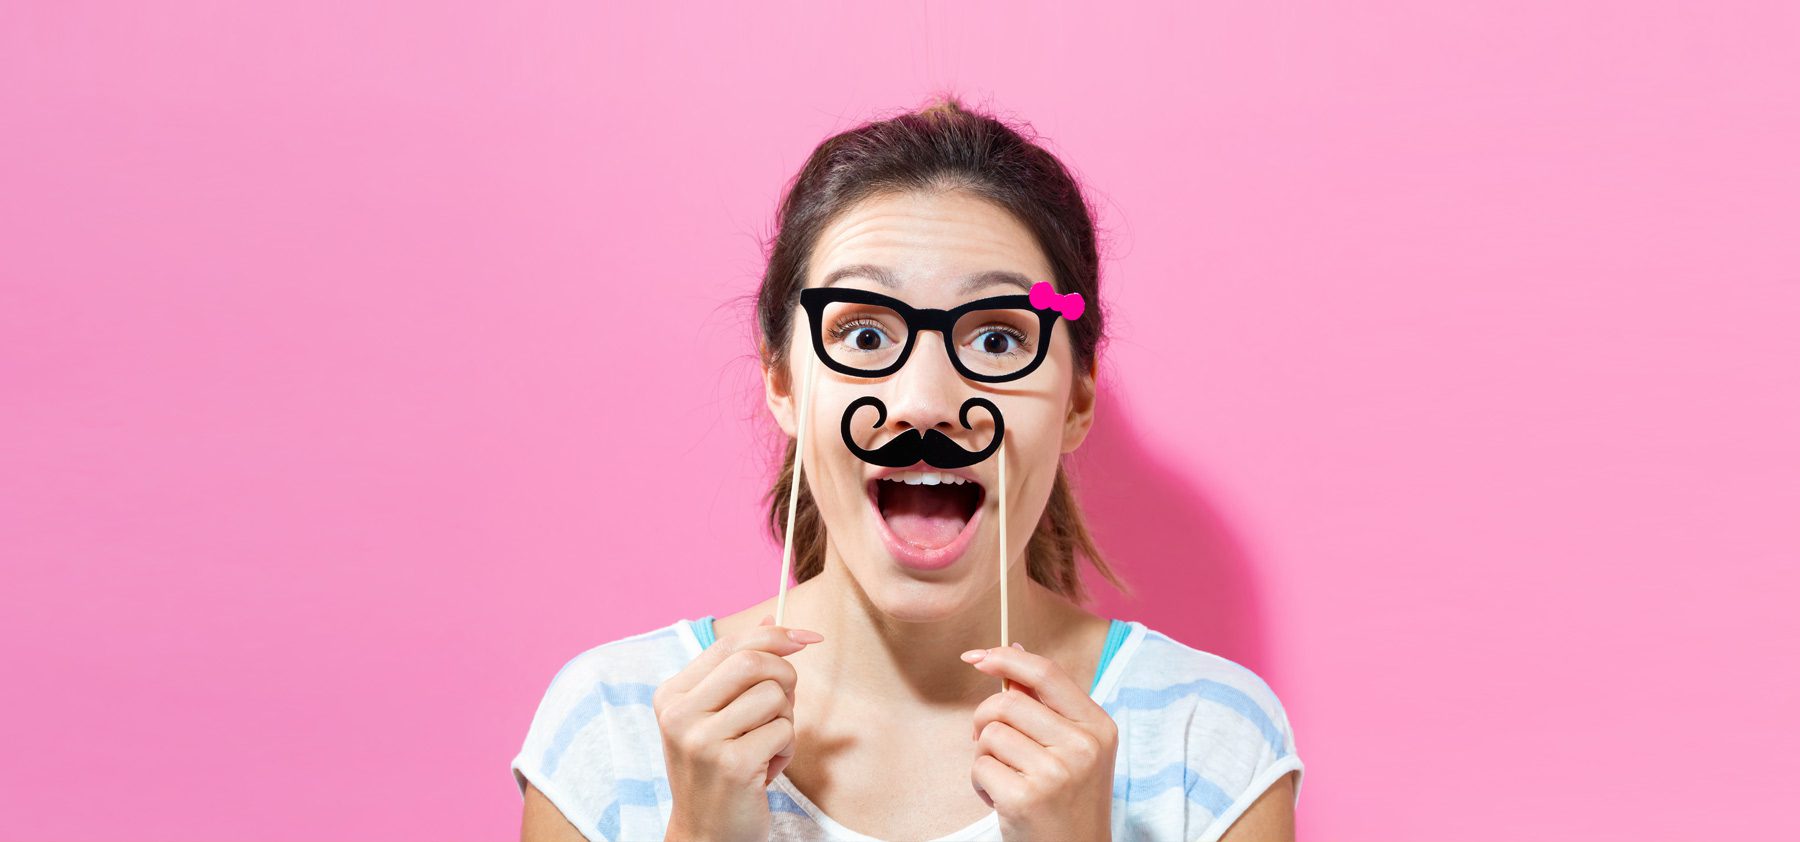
1197, 788
604, 694
1140, 698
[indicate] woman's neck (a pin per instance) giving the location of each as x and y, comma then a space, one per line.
871, 654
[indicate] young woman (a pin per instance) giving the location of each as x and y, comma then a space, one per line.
876, 710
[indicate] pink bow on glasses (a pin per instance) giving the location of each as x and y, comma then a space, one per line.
1045, 297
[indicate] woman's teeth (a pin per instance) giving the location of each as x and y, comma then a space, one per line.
925, 478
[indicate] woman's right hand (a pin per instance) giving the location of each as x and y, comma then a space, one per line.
727, 722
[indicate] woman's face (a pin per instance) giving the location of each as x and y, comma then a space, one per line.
924, 552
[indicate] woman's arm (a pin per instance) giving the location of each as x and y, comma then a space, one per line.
1270, 817
544, 823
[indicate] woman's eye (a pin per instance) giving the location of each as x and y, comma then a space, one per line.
861, 337
996, 342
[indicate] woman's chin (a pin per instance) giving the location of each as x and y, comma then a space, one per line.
904, 596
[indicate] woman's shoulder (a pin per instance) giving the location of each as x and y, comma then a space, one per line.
1159, 660
612, 682
648, 656
594, 735
1197, 723
1162, 673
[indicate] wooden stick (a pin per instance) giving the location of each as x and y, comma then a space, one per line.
787, 543
1001, 454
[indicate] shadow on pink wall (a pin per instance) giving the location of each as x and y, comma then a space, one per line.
1191, 576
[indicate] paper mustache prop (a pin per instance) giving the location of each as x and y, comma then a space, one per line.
911, 446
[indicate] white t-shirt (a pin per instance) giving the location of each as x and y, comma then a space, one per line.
1200, 737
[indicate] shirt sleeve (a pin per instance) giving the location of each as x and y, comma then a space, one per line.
1256, 743
566, 751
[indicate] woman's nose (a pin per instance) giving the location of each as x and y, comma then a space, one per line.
926, 392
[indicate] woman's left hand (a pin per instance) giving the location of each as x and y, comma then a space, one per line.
1044, 750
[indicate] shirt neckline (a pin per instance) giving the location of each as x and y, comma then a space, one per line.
1103, 685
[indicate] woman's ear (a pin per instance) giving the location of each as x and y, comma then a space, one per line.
778, 391
1082, 398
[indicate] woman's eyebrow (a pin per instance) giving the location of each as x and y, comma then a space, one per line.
878, 274
993, 277
882, 275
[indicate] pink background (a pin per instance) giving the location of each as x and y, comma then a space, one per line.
361, 365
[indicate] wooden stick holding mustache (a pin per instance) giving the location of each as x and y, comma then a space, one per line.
787, 543
1001, 455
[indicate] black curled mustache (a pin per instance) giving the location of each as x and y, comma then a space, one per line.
911, 446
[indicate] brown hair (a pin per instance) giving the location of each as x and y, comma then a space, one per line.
941, 147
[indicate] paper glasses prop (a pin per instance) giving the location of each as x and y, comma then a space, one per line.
863, 333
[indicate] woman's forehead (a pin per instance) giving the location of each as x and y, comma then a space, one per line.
942, 248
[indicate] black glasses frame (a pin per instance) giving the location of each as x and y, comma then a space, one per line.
920, 319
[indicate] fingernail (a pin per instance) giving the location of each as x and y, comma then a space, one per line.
804, 636
1020, 646
974, 655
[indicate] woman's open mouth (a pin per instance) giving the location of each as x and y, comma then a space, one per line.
927, 518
